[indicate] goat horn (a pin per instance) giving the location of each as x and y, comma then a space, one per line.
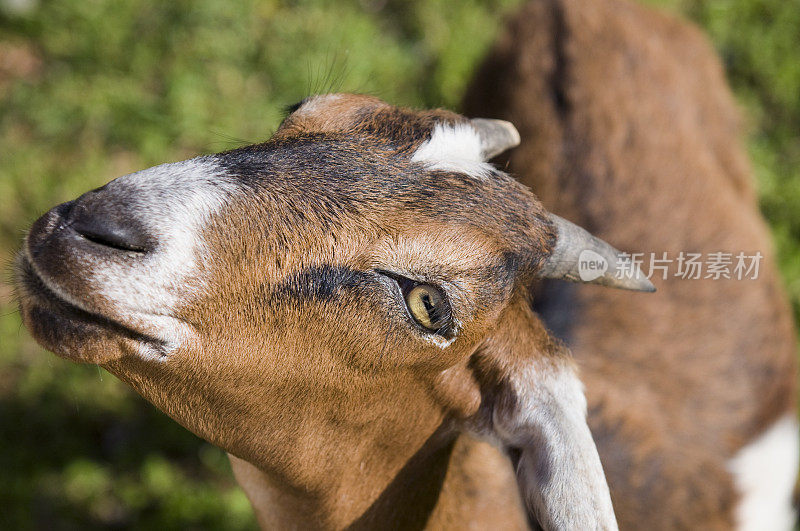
580, 257
496, 136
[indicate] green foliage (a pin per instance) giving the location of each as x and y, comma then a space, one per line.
94, 89
759, 40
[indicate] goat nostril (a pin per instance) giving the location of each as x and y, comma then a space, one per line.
111, 233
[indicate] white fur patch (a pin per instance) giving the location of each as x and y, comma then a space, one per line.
764, 472
453, 148
173, 202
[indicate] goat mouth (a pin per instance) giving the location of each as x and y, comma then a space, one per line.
67, 330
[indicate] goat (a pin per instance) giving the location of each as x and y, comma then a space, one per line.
345, 310
630, 130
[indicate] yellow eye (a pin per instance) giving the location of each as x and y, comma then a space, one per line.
428, 307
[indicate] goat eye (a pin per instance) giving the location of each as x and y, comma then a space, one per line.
428, 307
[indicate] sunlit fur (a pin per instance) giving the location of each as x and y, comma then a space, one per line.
292, 347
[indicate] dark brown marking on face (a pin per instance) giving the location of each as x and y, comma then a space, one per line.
320, 283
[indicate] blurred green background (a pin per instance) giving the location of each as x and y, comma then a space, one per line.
93, 89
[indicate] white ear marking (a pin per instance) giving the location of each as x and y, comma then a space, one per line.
453, 148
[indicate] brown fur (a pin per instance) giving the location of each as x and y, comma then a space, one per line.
300, 362
628, 129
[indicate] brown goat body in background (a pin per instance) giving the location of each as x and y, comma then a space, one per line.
629, 129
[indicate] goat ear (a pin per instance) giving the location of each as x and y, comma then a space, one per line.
495, 136
533, 406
